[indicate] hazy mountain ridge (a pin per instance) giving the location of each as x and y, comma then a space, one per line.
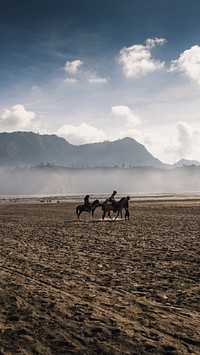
125, 151
29, 149
32, 149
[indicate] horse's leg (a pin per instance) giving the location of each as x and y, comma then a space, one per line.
77, 212
78, 215
80, 211
93, 209
127, 214
117, 215
109, 214
104, 213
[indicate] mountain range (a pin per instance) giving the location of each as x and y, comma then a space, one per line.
32, 149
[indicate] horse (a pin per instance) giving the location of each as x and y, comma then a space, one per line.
83, 208
120, 205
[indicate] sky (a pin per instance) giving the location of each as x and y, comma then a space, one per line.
101, 70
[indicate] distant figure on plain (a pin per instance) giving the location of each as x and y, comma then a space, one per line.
87, 204
126, 206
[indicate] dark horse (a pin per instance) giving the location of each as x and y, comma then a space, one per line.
120, 205
83, 208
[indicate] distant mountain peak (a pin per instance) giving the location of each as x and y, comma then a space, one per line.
186, 162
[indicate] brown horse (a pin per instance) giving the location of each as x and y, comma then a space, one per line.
120, 205
83, 208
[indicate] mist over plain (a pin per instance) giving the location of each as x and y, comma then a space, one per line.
59, 180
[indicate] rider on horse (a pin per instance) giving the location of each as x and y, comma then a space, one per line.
87, 204
112, 200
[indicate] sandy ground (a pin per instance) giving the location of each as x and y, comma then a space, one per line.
100, 287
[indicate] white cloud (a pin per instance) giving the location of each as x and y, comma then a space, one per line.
94, 79
137, 60
16, 117
151, 42
70, 81
35, 88
73, 67
81, 134
183, 143
188, 140
188, 63
124, 111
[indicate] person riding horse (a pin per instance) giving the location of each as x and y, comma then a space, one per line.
87, 207
112, 200
87, 204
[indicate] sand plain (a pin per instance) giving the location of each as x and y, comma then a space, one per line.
100, 287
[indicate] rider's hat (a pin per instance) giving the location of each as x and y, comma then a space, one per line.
114, 192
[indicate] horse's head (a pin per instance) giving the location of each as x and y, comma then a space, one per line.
95, 203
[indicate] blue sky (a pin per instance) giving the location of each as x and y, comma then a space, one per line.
91, 70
